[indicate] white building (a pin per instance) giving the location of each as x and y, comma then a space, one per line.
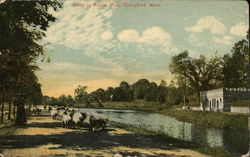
221, 99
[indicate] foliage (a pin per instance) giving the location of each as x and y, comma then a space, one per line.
140, 88
235, 66
244, 103
81, 95
21, 30
98, 96
197, 73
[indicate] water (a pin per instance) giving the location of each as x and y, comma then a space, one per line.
235, 141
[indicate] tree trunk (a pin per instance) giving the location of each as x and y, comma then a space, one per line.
14, 109
9, 113
21, 114
2, 109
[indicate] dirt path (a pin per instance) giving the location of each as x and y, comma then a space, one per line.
43, 136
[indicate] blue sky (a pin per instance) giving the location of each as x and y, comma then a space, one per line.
101, 46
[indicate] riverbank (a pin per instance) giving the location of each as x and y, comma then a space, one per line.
213, 151
134, 105
209, 119
43, 136
206, 119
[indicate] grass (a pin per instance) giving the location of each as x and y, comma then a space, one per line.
7, 128
241, 103
200, 118
209, 119
136, 104
173, 143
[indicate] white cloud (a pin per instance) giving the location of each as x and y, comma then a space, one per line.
195, 40
227, 40
154, 36
208, 23
128, 35
107, 35
82, 28
88, 29
240, 29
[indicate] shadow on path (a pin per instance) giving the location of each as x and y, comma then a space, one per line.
81, 140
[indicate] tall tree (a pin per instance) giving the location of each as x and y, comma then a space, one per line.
235, 69
140, 88
81, 95
22, 27
197, 73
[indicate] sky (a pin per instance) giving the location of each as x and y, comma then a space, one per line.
101, 43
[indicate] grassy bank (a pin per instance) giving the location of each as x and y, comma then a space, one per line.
209, 119
135, 105
200, 118
175, 143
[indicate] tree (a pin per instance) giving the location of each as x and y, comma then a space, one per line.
151, 92
140, 88
110, 93
197, 73
119, 94
81, 95
99, 95
235, 66
127, 93
22, 25
162, 92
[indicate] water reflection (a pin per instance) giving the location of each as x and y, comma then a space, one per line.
233, 140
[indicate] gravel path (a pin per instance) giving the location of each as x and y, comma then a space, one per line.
44, 137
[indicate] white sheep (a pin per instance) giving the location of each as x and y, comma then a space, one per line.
97, 121
66, 120
53, 113
78, 118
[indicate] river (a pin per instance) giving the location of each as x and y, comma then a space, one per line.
235, 141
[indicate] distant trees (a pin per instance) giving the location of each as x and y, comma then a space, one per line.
140, 88
81, 95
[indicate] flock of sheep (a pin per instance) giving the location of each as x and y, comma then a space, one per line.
73, 118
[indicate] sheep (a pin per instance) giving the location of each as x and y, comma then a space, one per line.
50, 108
97, 122
78, 118
60, 112
38, 110
53, 113
35, 110
66, 120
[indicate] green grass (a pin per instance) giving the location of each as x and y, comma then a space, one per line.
174, 143
241, 103
209, 119
7, 128
137, 104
